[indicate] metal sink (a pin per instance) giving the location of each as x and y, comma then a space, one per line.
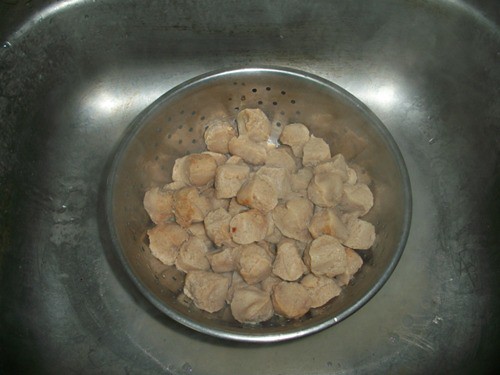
75, 73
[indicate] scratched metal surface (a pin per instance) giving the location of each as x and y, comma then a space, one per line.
73, 75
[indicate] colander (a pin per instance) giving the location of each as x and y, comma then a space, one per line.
173, 126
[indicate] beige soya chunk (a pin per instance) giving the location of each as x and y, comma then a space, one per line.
189, 206
288, 264
207, 289
223, 260
195, 169
217, 136
356, 198
254, 263
248, 226
235, 208
219, 158
281, 157
211, 195
237, 282
325, 189
300, 181
315, 151
278, 178
165, 239
326, 257
295, 136
229, 178
291, 299
336, 164
251, 305
354, 263
292, 218
158, 203
321, 289
326, 221
361, 234
192, 256
254, 124
258, 193
273, 235
254, 153
269, 283
217, 226
198, 230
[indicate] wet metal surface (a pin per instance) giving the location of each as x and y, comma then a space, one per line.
75, 73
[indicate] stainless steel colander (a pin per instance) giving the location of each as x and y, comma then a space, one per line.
173, 126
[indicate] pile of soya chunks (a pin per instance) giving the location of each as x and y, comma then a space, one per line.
264, 229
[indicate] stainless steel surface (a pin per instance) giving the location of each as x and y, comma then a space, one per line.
74, 73
173, 126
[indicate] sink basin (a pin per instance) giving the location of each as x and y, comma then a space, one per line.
75, 73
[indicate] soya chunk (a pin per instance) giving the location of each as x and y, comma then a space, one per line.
325, 189
190, 206
354, 263
165, 239
295, 136
281, 157
293, 217
200, 169
192, 256
278, 178
326, 221
219, 158
336, 164
254, 263
288, 263
249, 226
237, 282
250, 151
274, 235
223, 260
207, 289
215, 202
218, 135
229, 178
321, 289
179, 172
300, 181
254, 124
357, 198
217, 226
158, 203
258, 193
326, 256
196, 169
269, 283
315, 151
198, 230
361, 234
291, 300
251, 305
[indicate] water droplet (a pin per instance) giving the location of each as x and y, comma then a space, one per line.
6, 45
437, 320
432, 140
187, 368
394, 338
